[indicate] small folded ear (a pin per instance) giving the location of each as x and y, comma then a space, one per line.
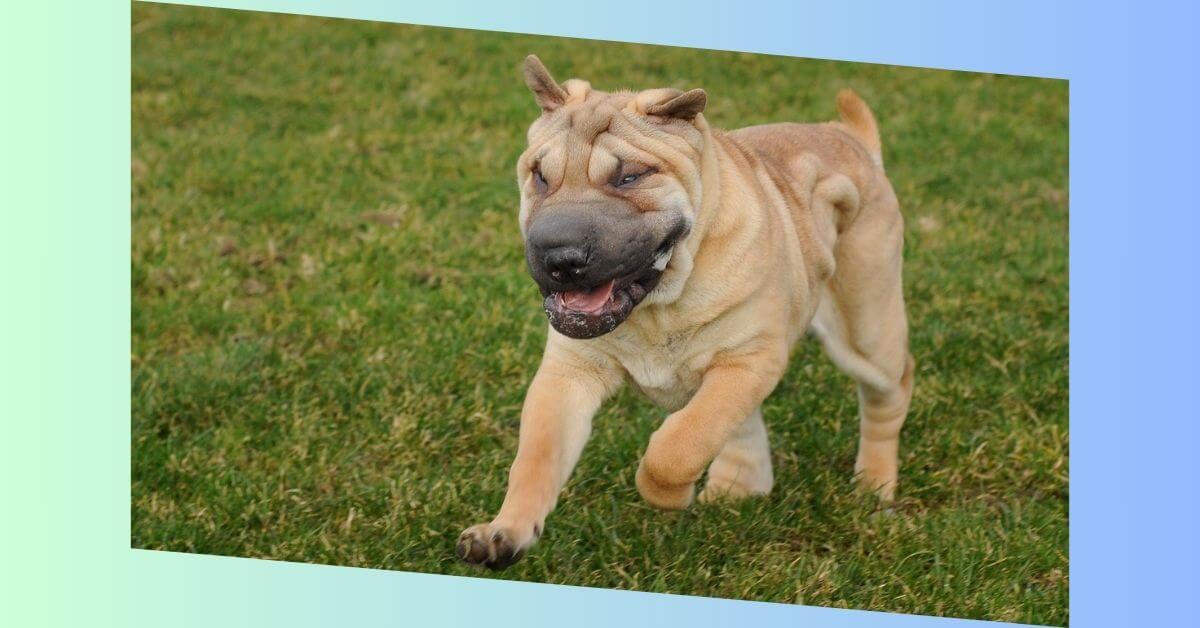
549, 94
684, 106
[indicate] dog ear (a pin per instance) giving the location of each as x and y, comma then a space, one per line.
549, 94
685, 106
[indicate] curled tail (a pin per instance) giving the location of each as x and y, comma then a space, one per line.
857, 116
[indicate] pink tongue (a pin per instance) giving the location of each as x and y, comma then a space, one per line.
588, 301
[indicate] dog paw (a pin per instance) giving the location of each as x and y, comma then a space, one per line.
663, 495
735, 477
881, 483
716, 489
493, 545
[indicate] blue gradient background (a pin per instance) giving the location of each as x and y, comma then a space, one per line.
64, 337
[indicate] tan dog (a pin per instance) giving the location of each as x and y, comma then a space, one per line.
688, 261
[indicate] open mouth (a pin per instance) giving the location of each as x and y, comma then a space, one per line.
595, 311
595, 301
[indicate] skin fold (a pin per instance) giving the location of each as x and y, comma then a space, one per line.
762, 234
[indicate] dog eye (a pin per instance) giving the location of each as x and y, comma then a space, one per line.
539, 178
626, 179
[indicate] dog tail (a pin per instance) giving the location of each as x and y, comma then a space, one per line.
857, 116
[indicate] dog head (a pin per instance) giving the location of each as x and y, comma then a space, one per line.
610, 187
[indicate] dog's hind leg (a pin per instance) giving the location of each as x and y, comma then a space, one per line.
885, 384
862, 324
881, 415
743, 467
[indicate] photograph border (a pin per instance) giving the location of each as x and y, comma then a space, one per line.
69, 380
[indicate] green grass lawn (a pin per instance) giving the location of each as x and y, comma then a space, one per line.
333, 328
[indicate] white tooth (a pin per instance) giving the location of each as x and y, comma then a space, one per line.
660, 260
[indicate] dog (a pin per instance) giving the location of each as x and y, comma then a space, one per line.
687, 261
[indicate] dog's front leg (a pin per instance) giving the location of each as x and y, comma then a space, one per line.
555, 423
731, 390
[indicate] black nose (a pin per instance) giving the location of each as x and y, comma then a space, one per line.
565, 262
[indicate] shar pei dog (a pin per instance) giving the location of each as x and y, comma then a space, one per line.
687, 261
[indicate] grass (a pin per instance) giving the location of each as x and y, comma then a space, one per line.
333, 330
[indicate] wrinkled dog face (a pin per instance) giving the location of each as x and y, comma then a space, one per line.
610, 184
